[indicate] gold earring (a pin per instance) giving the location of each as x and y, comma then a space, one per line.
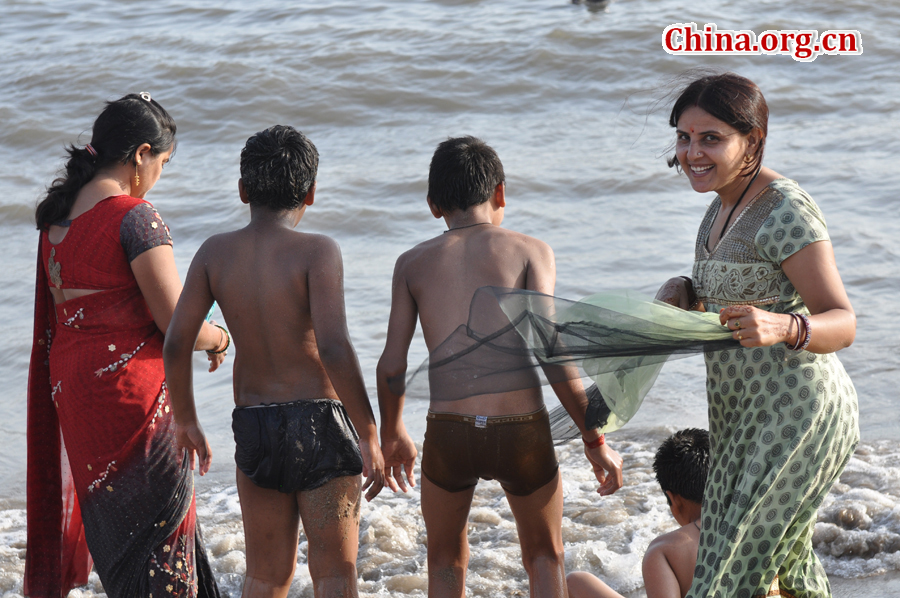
137, 177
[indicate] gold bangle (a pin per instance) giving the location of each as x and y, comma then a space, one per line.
227, 342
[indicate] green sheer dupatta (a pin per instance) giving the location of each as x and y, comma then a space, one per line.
516, 339
620, 340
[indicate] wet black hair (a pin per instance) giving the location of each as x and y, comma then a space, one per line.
123, 126
464, 172
278, 168
681, 464
734, 100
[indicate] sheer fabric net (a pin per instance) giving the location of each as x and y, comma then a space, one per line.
516, 339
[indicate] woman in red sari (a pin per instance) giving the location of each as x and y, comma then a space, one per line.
106, 482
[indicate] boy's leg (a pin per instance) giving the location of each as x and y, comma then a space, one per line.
539, 522
271, 529
582, 584
446, 517
330, 516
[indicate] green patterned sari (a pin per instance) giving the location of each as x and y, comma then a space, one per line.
783, 423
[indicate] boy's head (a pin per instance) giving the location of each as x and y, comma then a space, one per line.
682, 464
278, 168
464, 172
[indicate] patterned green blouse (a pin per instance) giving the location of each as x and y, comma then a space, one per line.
744, 268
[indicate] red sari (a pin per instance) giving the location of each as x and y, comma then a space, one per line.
106, 481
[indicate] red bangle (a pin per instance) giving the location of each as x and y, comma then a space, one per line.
599, 441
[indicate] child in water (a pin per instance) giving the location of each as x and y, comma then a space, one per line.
505, 435
297, 381
681, 465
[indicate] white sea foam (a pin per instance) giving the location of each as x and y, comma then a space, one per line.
857, 534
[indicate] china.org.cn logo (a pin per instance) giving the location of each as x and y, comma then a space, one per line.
801, 45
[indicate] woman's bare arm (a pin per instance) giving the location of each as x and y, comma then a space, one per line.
158, 280
814, 274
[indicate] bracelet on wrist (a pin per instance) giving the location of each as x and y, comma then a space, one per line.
227, 342
804, 333
599, 441
795, 319
808, 326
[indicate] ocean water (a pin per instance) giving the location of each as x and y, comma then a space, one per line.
570, 95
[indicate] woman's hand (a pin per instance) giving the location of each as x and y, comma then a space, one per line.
215, 360
217, 355
755, 327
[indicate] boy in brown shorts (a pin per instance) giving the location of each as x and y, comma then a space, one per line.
296, 375
504, 435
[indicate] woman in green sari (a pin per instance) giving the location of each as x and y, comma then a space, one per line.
782, 410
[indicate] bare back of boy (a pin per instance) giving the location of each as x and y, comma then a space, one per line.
442, 275
281, 293
298, 386
669, 562
435, 282
271, 284
503, 436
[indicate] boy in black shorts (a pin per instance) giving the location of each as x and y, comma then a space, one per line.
297, 381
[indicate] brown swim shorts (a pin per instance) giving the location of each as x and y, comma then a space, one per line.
515, 450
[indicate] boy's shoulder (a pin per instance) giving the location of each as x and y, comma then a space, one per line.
288, 238
670, 559
497, 237
294, 250
674, 542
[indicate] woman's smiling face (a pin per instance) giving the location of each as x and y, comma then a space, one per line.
712, 153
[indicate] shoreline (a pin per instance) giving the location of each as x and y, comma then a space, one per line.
605, 536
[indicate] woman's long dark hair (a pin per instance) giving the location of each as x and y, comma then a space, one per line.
122, 127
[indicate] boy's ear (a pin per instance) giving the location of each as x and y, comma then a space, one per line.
500, 195
435, 211
679, 507
242, 192
310, 195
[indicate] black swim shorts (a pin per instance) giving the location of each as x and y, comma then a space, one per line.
515, 450
297, 446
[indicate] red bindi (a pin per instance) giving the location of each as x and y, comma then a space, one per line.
692, 129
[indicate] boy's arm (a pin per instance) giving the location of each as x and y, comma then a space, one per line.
660, 580
399, 449
181, 336
329, 320
606, 463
